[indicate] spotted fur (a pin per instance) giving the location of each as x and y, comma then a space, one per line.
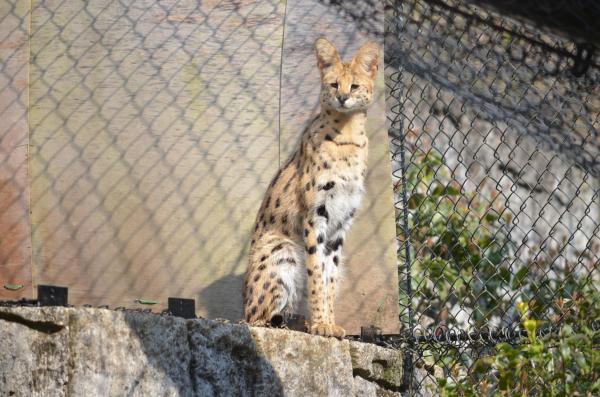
296, 249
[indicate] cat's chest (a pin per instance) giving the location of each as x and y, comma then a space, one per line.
343, 199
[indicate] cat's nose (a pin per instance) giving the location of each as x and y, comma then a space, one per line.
342, 99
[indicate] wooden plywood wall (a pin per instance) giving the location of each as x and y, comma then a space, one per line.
15, 241
154, 130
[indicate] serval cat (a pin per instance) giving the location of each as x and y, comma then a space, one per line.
296, 249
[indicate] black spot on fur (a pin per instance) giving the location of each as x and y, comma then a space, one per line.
305, 232
329, 185
272, 220
263, 258
328, 138
277, 203
310, 273
261, 299
321, 211
277, 248
350, 143
335, 260
262, 267
320, 238
272, 275
256, 277
326, 165
253, 310
284, 219
311, 250
266, 285
283, 261
268, 202
335, 244
307, 186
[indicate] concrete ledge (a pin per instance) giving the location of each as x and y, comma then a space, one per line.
86, 352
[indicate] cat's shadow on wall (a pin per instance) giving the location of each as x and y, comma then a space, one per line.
223, 298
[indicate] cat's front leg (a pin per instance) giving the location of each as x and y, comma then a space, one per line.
333, 262
315, 228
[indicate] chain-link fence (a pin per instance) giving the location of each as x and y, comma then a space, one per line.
138, 139
494, 111
494, 116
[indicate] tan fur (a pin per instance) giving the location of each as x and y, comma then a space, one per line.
296, 249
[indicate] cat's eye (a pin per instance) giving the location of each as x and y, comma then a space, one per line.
353, 87
334, 85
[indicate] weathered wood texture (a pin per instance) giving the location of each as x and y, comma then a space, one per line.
15, 241
369, 290
155, 129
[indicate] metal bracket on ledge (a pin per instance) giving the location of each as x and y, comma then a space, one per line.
52, 295
295, 322
370, 334
180, 307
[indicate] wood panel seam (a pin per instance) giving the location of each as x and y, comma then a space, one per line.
281, 82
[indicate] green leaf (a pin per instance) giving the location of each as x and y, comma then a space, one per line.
452, 191
13, 287
491, 218
505, 274
438, 190
436, 267
146, 302
520, 277
415, 200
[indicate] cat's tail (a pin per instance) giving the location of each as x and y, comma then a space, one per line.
274, 281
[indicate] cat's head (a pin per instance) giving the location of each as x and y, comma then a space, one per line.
347, 87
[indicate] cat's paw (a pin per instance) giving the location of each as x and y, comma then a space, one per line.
258, 323
337, 331
324, 329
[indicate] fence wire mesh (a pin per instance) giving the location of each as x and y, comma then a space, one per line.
494, 116
494, 124
138, 138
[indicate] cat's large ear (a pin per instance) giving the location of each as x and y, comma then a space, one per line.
367, 59
327, 55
